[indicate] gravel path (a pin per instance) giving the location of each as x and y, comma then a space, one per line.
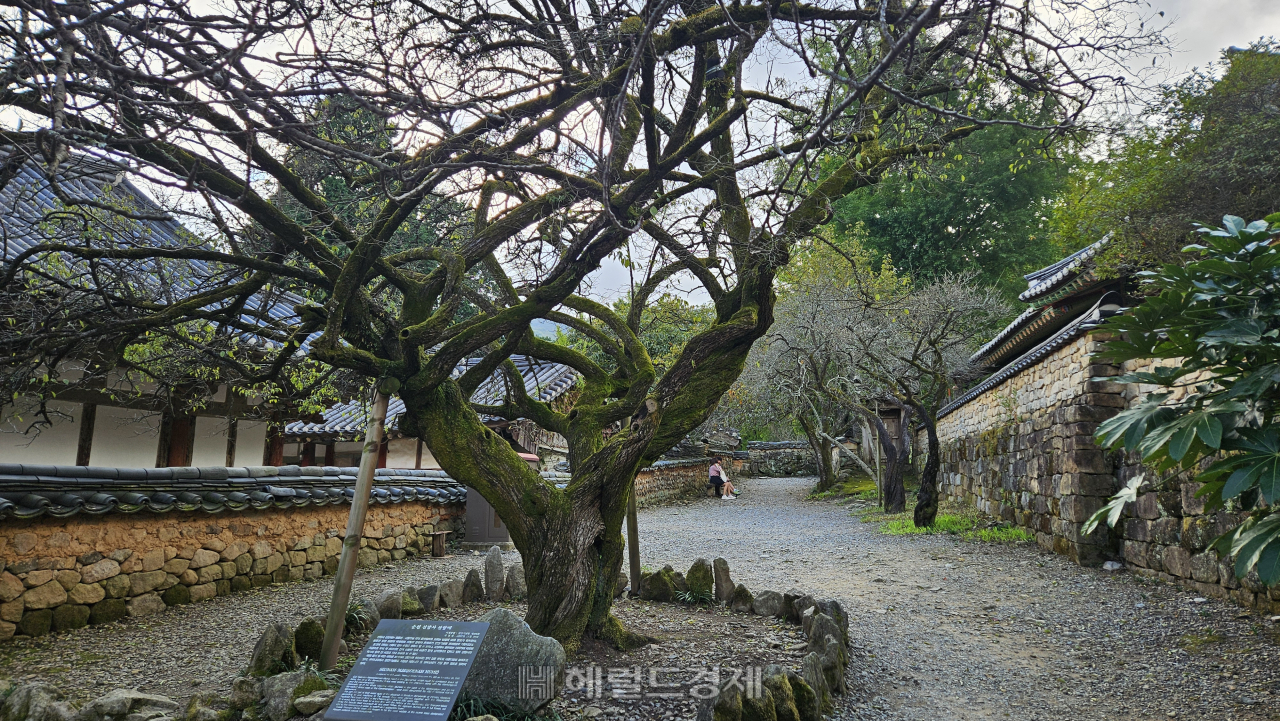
944, 628
941, 628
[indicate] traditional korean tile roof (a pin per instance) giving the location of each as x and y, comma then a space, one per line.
346, 421
774, 445
1084, 323
31, 491
28, 206
1048, 279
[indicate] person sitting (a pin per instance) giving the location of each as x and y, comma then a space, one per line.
720, 480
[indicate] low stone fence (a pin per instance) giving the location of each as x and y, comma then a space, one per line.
672, 480
79, 548
780, 459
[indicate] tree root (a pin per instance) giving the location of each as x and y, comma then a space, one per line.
617, 636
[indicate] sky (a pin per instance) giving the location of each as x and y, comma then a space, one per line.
1200, 30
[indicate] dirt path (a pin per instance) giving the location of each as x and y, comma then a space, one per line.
949, 629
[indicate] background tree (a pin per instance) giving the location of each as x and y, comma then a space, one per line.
981, 207
567, 129
1211, 143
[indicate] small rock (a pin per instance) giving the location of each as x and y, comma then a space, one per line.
724, 584
472, 588
278, 692
36, 702
274, 651
145, 605
409, 603
767, 603
246, 691
389, 604
451, 594
741, 601
314, 701
493, 579
513, 586
1199, 599
308, 639
126, 705
486, 717
1112, 566
429, 598
508, 645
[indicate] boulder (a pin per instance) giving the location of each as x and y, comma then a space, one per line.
10, 587
36, 623
472, 588
123, 703
796, 612
767, 603
724, 706
808, 707
200, 708
659, 585
70, 616
108, 610
819, 628
493, 578
308, 638
811, 669
145, 581
100, 571
774, 678
274, 652
366, 616
314, 701
833, 663
176, 595
451, 594
116, 586
35, 702
509, 645
788, 603
409, 603
145, 605
246, 691
681, 584
620, 586
390, 604
86, 594
723, 583
429, 598
279, 691
701, 580
759, 707
832, 608
48, 595
513, 586
740, 601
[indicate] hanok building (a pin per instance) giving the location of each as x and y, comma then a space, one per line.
337, 438
1020, 444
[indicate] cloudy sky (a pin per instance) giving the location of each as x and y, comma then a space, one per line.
1202, 28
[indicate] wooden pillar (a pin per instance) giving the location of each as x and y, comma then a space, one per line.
330, 454
182, 439
417, 463
88, 416
233, 427
308, 454
382, 454
273, 452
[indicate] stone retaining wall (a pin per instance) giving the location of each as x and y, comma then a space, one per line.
671, 480
782, 459
1024, 452
61, 574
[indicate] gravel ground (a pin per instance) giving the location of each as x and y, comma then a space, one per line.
944, 628
940, 628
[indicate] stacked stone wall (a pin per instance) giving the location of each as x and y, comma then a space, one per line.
60, 574
672, 480
1024, 452
781, 460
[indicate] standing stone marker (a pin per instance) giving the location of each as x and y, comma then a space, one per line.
409, 671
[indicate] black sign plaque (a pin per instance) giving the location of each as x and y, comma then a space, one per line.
409, 671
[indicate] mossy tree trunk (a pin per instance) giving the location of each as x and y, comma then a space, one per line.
896, 457
926, 511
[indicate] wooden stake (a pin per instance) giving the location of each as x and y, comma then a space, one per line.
355, 530
633, 541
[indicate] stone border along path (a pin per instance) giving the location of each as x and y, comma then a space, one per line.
939, 628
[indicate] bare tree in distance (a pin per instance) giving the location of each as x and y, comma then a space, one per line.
566, 129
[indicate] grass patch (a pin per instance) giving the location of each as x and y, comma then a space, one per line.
1194, 642
854, 487
1001, 534
945, 523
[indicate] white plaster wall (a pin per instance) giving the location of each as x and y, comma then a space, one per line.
210, 446
251, 442
429, 461
402, 453
124, 438
55, 445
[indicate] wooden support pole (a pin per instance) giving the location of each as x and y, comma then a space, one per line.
84, 448
355, 530
233, 430
633, 541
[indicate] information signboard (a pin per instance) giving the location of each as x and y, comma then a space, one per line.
409, 671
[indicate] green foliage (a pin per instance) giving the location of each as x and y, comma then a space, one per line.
695, 598
945, 523
1211, 144
1002, 534
666, 324
357, 616
1216, 320
981, 206
472, 707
